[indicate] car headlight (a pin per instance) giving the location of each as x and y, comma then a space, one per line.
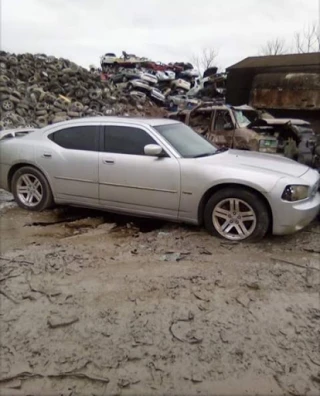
295, 193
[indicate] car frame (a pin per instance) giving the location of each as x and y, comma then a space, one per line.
108, 59
262, 132
182, 100
157, 96
139, 85
148, 77
170, 172
180, 84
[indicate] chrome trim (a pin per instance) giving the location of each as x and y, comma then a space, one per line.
138, 188
104, 202
78, 180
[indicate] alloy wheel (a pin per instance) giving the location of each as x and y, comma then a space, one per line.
234, 219
29, 190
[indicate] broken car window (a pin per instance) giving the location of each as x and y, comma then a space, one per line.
200, 120
77, 138
186, 142
126, 140
242, 120
222, 118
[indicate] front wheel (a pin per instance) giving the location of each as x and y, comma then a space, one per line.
31, 189
237, 215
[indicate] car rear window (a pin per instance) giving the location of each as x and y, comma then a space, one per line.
77, 138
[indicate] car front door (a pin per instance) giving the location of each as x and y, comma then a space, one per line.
223, 129
130, 181
71, 161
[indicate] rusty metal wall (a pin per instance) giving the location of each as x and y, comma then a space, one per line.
240, 80
292, 91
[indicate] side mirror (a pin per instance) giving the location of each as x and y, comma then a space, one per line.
228, 126
153, 150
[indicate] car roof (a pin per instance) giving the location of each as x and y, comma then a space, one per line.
112, 119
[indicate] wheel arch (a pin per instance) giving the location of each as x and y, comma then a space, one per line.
20, 165
208, 194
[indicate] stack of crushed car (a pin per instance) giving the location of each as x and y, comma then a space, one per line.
37, 90
173, 85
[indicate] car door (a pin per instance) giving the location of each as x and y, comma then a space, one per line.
133, 182
71, 161
223, 128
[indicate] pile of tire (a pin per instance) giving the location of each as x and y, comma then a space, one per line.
37, 90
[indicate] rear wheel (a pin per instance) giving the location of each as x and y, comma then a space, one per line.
236, 214
31, 189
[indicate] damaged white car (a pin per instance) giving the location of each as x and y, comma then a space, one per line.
167, 75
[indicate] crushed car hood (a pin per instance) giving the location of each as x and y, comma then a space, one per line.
264, 162
273, 122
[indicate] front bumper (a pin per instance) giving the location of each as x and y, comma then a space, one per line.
293, 216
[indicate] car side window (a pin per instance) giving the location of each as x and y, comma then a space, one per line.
84, 138
222, 118
126, 140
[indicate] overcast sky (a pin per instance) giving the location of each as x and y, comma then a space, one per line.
162, 30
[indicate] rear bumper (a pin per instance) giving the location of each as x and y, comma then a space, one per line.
295, 216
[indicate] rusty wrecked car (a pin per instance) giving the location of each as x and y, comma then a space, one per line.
245, 128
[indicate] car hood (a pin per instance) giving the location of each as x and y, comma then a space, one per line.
264, 162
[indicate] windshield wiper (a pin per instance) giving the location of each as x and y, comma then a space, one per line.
203, 155
221, 150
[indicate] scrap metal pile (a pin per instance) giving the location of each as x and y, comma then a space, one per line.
172, 85
37, 90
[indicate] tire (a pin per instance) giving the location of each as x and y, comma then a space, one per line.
218, 216
7, 105
30, 174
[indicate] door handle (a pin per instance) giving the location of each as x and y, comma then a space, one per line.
108, 161
47, 155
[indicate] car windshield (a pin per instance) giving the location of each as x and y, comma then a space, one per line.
242, 120
186, 142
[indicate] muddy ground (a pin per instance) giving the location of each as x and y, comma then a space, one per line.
98, 304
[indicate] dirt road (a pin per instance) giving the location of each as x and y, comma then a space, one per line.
97, 304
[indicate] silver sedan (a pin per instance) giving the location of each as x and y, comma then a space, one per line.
158, 168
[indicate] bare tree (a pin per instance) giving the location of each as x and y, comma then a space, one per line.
274, 47
308, 40
205, 59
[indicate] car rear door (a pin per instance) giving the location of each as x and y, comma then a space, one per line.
71, 161
130, 181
